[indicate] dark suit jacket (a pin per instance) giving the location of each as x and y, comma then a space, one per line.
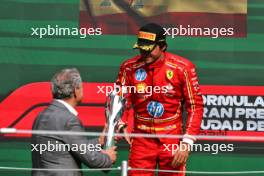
58, 118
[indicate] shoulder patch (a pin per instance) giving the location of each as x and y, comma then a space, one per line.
170, 64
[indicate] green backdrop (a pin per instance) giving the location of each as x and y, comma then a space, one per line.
25, 59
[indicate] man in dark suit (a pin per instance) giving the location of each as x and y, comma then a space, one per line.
57, 151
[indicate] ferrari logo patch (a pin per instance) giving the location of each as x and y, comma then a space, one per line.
169, 74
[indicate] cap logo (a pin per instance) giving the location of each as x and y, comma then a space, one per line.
147, 35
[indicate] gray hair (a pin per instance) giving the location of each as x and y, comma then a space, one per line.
64, 82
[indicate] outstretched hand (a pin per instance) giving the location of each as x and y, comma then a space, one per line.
181, 155
125, 131
111, 152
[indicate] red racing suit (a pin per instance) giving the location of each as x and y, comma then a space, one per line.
157, 92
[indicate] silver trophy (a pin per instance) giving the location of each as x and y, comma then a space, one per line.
114, 109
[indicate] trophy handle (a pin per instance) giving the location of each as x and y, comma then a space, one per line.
110, 137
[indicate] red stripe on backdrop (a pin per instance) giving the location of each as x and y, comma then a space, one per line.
31, 95
125, 24
22, 99
27, 96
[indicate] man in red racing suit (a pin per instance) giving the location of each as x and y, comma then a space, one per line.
156, 91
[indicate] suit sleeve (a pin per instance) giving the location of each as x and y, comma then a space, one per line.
193, 102
91, 158
122, 82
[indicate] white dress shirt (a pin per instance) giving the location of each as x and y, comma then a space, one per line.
69, 107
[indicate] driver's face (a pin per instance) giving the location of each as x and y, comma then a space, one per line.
144, 54
150, 56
